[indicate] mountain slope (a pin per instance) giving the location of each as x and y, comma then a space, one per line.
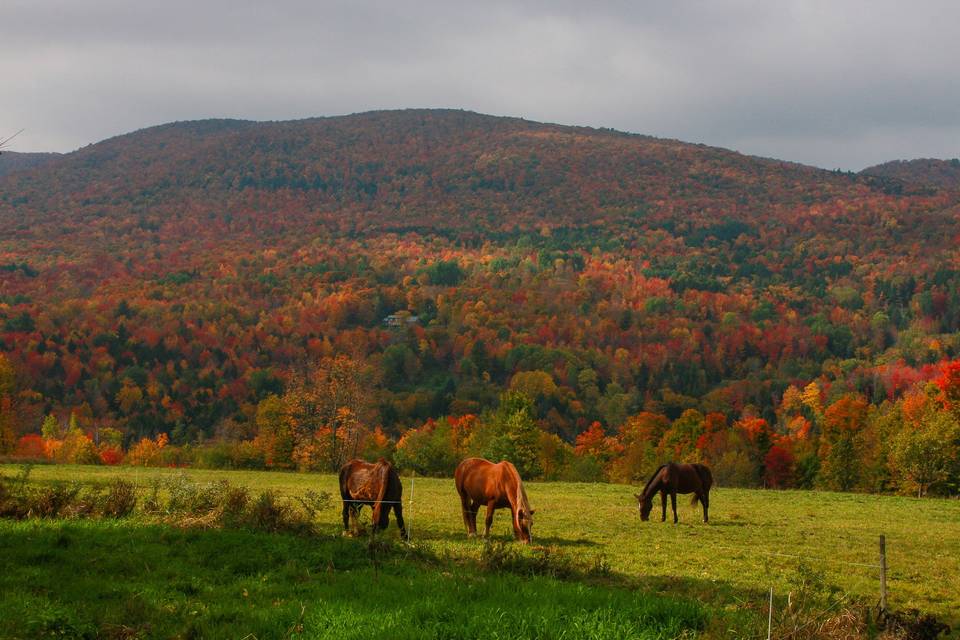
927, 172
11, 161
446, 168
171, 278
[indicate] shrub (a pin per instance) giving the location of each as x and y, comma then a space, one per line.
229, 455
52, 501
193, 504
77, 448
30, 447
498, 556
778, 468
119, 500
428, 450
111, 455
146, 453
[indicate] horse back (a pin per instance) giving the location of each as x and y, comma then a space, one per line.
483, 481
377, 481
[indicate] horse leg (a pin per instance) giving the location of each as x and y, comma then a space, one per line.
474, 511
673, 503
468, 522
705, 501
663, 504
346, 516
488, 521
398, 511
354, 517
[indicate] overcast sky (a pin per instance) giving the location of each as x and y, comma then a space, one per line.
837, 83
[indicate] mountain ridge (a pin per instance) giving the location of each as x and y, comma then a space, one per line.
389, 160
170, 279
925, 172
11, 161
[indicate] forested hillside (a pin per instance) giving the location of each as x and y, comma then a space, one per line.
928, 172
391, 269
11, 161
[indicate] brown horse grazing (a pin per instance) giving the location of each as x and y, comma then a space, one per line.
676, 478
480, 482
376, 484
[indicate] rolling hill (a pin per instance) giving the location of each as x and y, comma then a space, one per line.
11, 161
168, 279
927, 172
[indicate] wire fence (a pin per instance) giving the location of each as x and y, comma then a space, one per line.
750, 552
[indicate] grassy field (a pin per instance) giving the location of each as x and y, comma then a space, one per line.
246, 583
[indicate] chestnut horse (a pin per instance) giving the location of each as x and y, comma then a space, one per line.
480, 482
676, 478
376, 484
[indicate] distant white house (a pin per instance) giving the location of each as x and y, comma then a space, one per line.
400, 319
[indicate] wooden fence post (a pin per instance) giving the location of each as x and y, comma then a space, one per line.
883, 573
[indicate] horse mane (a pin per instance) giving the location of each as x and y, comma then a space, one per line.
520, 498
650, 481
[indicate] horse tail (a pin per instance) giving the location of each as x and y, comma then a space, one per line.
706, 477
706, 481
380, 515
344, 477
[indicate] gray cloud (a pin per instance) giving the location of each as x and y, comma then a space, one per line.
835, 84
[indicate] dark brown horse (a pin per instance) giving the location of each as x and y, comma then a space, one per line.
376, 484
676, 478
480, 482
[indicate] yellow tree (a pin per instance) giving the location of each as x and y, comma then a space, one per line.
330, 402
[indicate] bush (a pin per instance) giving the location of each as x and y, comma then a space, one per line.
229, 455
30, 447
146, 453
52, 501
20, 500
498, 556
111, 455
119, 500
428, 450
177, 500
220, 504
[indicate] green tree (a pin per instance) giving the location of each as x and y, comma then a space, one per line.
510, 434
925, 454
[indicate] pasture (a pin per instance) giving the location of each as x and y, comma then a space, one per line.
656, 579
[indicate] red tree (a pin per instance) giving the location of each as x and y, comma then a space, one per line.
778, 467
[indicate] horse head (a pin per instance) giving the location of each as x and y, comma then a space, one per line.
644, 506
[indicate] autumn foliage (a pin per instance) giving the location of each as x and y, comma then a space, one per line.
426, 284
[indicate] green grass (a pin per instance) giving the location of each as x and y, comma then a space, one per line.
121, 579
105, 574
